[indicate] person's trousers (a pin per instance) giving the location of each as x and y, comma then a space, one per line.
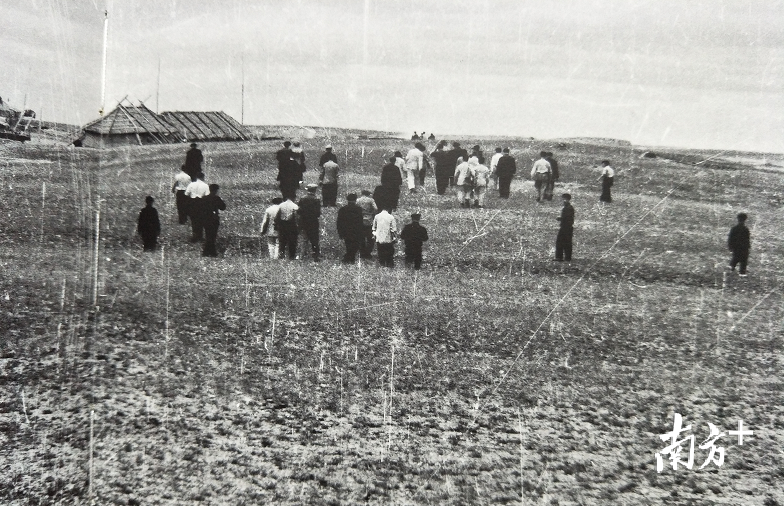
211, 237
329, 194
412, 177
504, 184
606, 185
414, 256
740, 257
422, 177
352, 248
441, 185
479, 195
196, 213
563, 244
273, 247
310, 234
548, 189
386, 254
368, 241
287, 240
463, 192
150, 241
540, 185
182, 206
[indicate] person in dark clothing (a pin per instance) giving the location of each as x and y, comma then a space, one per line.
212, 205
148, 225
328, 156
607, 177
739, 242
289, 178
443, 169
309, 212
391, 181
506, 169
563, 242
554, 175
282, 156
413, 235
181, 182
350, 227
425, 168
196, 191
193, 159
477, 152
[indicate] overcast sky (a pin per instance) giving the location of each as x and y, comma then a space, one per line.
702, 74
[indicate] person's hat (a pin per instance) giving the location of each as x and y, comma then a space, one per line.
328, 146
506, 150
286, 144
312, 187
456, 144
415, 216
149, 199
476, 148
351, 197
566, 196
743, 216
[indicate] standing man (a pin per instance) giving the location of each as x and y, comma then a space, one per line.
369, 210
328, 156
283, 156
414, 163
390, 181
181, 182
608, 174
401, 164
385, 232
212, 205
286, 223
739, 242
350, 228
193, 159
196, 191
309, 212
494, 167
443, 169
540, 173
328, 179
563, 242
288, 177
149, 226
481, 178
464, 182
414, 235
457, 152
298, 155
505, 171
425, 168
269, 229
554, 175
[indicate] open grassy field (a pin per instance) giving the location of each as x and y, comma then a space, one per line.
492, 376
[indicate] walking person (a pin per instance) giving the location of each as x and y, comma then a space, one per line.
540, 173
329, 183
607, 177
350, 229
481, 179
477, 152
369, 211
181, 182
327, 156
739, 242
309, 212
413, 235
193, 160
505, 170
414, 163
554, 175
286, 224
464, 182
457, 152
563, 241
385, 232
269, 229
494, 168
148, 225
196, 191
283, 155
213, 204
425, 168
289, 178
390, 181
443, 169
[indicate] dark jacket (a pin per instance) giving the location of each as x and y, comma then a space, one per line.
390, 175
567, 217
309, 211
457, 153
211, 205
739, 238
506, 167
443, 160
553, 168
414, 235
193, 159
350, 222
327, 157
148, 224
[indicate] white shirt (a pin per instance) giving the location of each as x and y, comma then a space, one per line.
494, 162
383, 226
182, 180
481, 175
608, 171
414, 159
542, 166
287, 210
269, 220
197, 189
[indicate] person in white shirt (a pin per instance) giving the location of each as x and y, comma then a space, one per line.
414, 163
369, 211
268, 228
481, 180
607, 181
494, 168
385, 232
400, 163
196, 191
463, 180
181, 182
540, 173
288, 233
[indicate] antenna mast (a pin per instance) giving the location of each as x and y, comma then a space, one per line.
242, 106
103, 71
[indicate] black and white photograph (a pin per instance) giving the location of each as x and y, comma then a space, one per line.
392, 252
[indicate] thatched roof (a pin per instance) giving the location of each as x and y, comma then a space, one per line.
130, 119
206, 126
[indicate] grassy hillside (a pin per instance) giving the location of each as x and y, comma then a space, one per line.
491, 376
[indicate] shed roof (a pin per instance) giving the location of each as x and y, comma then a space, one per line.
129, 119
205, 126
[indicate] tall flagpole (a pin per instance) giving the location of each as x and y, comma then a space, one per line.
103, 71
242, 119
98, 197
